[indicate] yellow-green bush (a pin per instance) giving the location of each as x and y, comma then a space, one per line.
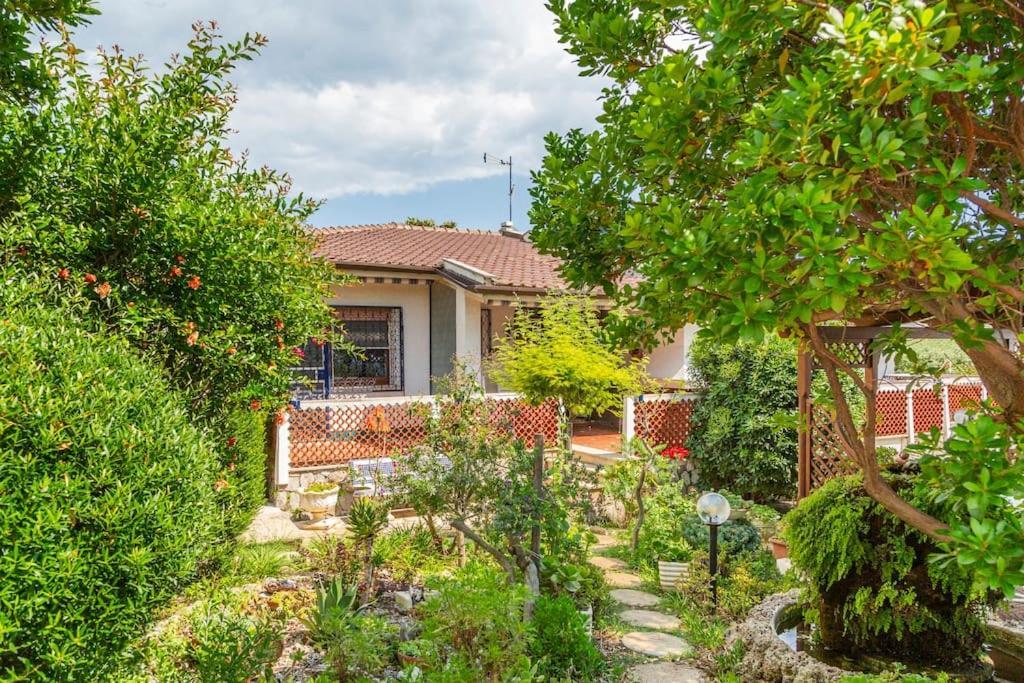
107, 490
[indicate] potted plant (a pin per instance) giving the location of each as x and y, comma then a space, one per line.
765, 519
673, 563
568, 579
319, 499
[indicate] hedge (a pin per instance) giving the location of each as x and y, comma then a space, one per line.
107, 495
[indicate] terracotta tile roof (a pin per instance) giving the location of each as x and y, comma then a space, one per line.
513, 262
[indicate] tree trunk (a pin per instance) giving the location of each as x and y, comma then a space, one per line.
501, 558
638, 494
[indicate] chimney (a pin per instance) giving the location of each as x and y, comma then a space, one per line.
509, 230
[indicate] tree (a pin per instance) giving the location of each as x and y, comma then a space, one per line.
22, 70
784, 164
560, 352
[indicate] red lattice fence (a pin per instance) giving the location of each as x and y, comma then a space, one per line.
664, 420
335, 433
891, 414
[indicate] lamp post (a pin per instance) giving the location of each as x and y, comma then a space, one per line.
713, 509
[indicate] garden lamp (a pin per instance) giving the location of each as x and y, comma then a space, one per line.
713, 509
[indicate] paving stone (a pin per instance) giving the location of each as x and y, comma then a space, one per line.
611, 563
654, 644
271, 524
632, 598
622, 580
665, 672
648, 619
604, 541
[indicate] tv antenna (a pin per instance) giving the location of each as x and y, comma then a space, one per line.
491, 159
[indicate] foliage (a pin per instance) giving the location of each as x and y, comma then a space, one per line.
366, 520
743, 581
332, 556
872, 588
739, 433
736, 536
357, 646
477, 617
765, 167
322, 487
559, 351
176, 243
408, 553
934, 358
661, 536
469, 473
242, 454
559, 641
430, 222
978, 490
108, 489
231, 646
335, 601
260, 560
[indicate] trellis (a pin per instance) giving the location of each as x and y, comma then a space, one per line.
821, 455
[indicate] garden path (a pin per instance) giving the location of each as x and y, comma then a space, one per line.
660, 637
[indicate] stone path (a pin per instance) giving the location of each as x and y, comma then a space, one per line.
660, 639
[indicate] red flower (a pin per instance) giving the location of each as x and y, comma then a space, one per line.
90, 278
232, 350
175, 271
179, 258
194, 282
232, 441
63, 273
255, 405
278, 325
279, 418
676, 453
103, 290
299, 352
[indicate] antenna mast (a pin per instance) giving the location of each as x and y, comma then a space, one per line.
491, 159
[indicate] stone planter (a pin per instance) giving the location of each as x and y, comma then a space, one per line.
669, 573
738, 513
319, 504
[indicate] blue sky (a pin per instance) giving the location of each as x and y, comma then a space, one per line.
384, 109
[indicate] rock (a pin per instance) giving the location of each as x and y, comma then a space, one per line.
655, 644
632, 598
607, 563
665, 672
766, 658
622, 580
403, 601
648, 619
272, 586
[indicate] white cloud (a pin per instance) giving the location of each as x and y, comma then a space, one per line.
383, 97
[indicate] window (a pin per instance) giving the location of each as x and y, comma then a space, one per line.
377, 366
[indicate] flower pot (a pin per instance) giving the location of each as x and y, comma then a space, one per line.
319, 504
780, 549
670, 573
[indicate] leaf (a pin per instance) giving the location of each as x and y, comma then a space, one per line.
783, 60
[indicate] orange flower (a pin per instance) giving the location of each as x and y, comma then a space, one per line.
278, 325
279, 418
192, 338
221, 485
175, 271
232, 350
194, 282
103, 290
255, 405
90, 278
63, 273
179, 258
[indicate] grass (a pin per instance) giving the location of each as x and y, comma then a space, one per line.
262, 560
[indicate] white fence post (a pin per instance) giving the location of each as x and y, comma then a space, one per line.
283, 448
629, 418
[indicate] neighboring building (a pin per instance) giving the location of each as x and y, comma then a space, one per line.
427, 294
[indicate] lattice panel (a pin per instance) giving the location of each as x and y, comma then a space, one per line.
524, 421
829, 458
891, 413
966, 396
664, 421
335, 434
927, 409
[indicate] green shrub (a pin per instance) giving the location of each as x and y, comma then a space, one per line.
736, 536
229, 646
873, 588
260, 560
357, 646
408, 552
108, 494
739, 435
661, 536
559, 642
243, 463
479, 615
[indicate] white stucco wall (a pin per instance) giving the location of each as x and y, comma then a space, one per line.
670, 361
414, 300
